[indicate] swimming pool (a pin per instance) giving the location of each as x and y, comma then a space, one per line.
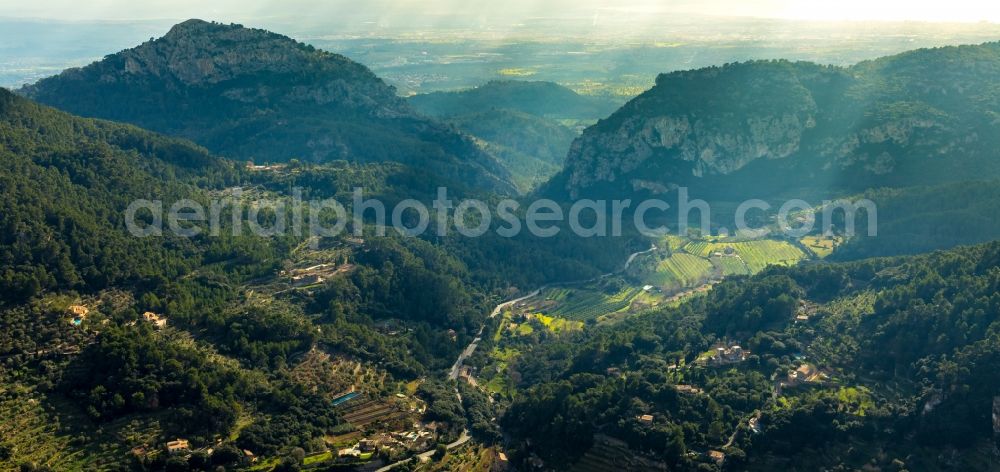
343, 398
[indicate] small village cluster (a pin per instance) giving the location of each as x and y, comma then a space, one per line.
419, 439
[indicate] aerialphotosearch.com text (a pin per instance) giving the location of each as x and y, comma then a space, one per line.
473, 218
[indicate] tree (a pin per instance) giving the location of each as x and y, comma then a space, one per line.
440, 451
226, 455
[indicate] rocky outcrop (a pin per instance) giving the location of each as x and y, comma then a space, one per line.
251, 94
895, 121
600, 157
696, 139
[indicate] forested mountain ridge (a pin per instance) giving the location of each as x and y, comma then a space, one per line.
543, 139
913, 220
922, 117
66, 182
545, 99
218, 359
249, 94
527, 125
532, 148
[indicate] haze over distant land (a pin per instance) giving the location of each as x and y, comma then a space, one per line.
597, 51
483, 41
410, 11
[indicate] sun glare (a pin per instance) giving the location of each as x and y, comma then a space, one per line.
892, 10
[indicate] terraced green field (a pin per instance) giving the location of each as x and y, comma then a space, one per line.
731, 265
691, 264
756, 254
672, 242
760, 254
681, 270
582, 305
703, 248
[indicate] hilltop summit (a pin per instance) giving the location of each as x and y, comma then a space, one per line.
251, 94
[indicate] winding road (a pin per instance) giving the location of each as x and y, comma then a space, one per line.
471, 348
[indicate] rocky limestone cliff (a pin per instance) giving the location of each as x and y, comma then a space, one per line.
895, 121
700, 123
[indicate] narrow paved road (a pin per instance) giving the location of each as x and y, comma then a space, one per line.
632, 257
500, 307
471, 348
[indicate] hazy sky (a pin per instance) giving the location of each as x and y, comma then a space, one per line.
504, 10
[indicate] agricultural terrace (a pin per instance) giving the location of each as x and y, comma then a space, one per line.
731, 265
756, 254
389, 414
681, 270
581, 305
331, 376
